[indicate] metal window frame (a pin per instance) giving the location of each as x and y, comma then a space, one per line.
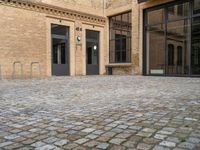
166, 21
121, 29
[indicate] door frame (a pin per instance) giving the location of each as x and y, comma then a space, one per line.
71, 49
102, 47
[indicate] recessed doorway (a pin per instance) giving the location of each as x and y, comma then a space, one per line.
60, 50
92, 52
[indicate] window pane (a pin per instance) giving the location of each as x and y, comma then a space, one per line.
170, 55
156, 49
120, 35
155, 17
178, 36
196, 7
179, 11
179, 55
195, 46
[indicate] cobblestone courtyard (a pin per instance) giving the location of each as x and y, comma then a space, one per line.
100, 112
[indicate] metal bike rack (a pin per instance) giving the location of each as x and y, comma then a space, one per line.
1, 76
14, 69
31, 68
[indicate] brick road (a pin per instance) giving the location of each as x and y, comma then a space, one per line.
100, 112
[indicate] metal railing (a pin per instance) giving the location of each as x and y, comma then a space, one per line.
31, 68
14, 69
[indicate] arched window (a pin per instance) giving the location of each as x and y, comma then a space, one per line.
170, 54
179, 55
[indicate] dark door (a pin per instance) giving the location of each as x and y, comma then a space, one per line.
92, 52
60, 50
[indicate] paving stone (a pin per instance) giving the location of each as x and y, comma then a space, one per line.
148, 130
160, 148
135, 127
122, 126
160, 136
13, 146
123, 135
5, 144
61, 142
117, 147
50, 140
92, 136
194, 140
81, 141
109, 134
12, 137
143, 146
88, 130
38, 144
144, 134
130, 144
46, 147
98, 132
151, 141
104, 138
91, 144
168, 144
70, 146
186, 145
117, 141
28, 141
103, 145
164, 132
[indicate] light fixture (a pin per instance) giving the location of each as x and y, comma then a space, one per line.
95, 47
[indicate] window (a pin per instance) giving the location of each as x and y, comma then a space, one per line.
168, 39
170, 55
180, 10
179, 55
120, 38
196, 7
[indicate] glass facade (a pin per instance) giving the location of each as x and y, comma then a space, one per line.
172, 39
120, 38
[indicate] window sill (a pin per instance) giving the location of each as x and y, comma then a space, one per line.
119, 65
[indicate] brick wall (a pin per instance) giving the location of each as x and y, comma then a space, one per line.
22, 38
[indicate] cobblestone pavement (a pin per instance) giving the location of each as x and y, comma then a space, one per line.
100, 112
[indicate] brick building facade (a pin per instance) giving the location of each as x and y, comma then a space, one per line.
72, 37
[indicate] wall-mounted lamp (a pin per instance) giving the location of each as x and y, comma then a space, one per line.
95, 47
78, 39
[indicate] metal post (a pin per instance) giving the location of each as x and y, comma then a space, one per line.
14, 69
31, 69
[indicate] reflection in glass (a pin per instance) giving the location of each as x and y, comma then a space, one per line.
196, 7
195, 58
180, 11
156, 49
156, 17
170, 55
178, 36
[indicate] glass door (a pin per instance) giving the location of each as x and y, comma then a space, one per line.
92, 52
60, 53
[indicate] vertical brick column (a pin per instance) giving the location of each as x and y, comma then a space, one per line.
78, 48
